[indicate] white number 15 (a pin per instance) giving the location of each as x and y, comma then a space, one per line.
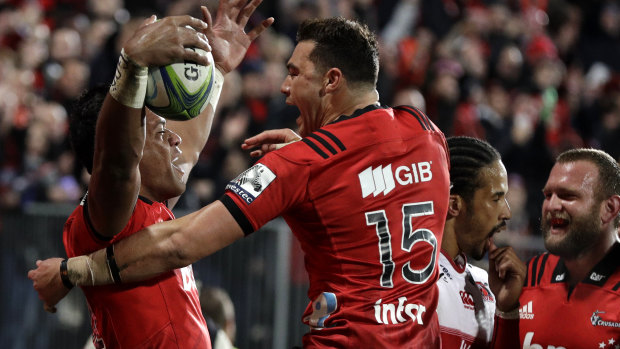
380, 221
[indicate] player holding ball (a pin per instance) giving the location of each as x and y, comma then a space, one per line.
139, 164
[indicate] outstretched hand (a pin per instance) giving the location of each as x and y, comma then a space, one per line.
269, 140
165, 41
227, 36
506, 276
46, 281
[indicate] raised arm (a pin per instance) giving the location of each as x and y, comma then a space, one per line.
119, 140
229, 43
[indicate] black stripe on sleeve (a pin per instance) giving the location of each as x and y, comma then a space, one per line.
615, 288
315, 148
237, 214
324, 143
414, 115
534, 267
542, 268
423, 117
333, 138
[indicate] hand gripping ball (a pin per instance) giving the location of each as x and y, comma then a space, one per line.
180, 91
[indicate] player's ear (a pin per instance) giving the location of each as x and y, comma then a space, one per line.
333, 79
455, 205
610, 209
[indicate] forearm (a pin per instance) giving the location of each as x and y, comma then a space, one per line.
159, 248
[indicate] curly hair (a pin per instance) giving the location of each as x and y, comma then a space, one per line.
467, 157
82, 124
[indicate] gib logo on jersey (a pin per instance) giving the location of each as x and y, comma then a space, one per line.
382, 180
252, 182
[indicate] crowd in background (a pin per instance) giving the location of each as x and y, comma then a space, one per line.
533, 78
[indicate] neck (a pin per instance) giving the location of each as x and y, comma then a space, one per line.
580, 266
347, 103
448, 242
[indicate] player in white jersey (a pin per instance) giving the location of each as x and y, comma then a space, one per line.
476, 309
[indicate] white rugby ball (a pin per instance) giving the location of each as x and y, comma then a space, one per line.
180, 91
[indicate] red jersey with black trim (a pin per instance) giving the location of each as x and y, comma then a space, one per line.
552, 315
367, 197
163, 312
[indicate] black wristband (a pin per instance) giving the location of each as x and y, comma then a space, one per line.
114, 271
64, 275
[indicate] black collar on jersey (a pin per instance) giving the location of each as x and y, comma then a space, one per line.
359, 112
598, 275
97, 234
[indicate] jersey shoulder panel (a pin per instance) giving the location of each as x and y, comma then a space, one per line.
537, 266
478, 273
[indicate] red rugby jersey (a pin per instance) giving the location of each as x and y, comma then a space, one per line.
163, 312
588, 316
367, 197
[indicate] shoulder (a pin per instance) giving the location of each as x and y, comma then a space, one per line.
478, 273
538, 266
323, 144
417, 117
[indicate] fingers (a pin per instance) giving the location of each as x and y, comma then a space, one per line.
207, 17
256, 31
148, 21
270, 137
230, 9
187, 20
247, 11
506, 262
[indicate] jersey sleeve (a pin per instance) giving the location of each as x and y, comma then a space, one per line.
263, 192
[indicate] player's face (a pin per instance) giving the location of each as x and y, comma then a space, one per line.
303, 88
570, 211
161, 176
487, 212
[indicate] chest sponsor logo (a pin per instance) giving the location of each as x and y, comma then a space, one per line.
382, 180
526, 312
388, 313
467, 299
252, 182
598, 320
528, 344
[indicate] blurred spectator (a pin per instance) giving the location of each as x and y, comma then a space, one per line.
533, 78
219, 311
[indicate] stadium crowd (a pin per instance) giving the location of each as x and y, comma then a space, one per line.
533, 78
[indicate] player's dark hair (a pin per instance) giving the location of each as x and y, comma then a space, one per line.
468, 156
344, 44
82, 123
608, 171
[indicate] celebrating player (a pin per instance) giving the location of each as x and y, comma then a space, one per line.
571, 296
139, 167
469, 298
365, 192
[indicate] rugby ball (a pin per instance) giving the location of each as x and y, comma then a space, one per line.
180, 91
